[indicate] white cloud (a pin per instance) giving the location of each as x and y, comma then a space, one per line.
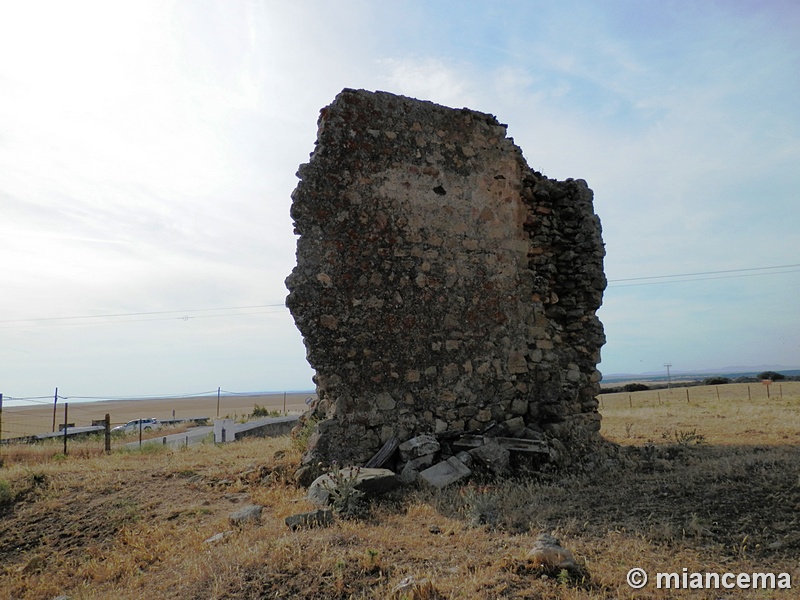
148, 153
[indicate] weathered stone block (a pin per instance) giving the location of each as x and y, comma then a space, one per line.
445, 473
418, 446
492, 455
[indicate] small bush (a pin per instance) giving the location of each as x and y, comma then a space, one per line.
684, 438
636, 387
716, 381
263, 411
301, 435
346, 499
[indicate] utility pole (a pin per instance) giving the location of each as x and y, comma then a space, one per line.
218, 390
1, 417
669, 379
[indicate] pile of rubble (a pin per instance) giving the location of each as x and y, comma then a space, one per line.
435, 461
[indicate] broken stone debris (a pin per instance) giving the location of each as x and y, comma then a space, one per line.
493, 456
445, 473
425, 458
421, 445
371, 482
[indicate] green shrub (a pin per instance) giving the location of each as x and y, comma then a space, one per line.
301, 435
346, 499
635, 387
263, 411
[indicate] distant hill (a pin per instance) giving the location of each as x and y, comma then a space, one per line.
731, 372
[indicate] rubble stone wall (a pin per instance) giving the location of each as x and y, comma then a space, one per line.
441, 284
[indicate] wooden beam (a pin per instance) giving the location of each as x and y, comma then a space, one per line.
384, 454
511, 444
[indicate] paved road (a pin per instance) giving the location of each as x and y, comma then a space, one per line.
197, 435
192, 436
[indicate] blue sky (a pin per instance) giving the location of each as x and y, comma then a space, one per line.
148, 153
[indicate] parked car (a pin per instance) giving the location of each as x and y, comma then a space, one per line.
133, 426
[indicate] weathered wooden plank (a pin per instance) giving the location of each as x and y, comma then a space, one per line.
511, 444
384, 454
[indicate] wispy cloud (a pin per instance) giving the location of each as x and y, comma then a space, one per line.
148, 154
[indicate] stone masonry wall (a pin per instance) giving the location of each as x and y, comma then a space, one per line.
441, 285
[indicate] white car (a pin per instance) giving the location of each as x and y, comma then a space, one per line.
133, 426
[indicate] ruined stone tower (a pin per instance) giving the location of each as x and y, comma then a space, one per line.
441, 285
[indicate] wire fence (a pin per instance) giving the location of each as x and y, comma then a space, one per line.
58, 418
677, 394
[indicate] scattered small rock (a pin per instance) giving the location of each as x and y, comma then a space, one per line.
236, 498
550, 556
316, 518
218, 537
246, 514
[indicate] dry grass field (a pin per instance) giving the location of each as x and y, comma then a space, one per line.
710, 485
33, 419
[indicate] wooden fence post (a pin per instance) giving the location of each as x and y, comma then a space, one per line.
55, 402
687, 394
66, 405
108, 433
630, 400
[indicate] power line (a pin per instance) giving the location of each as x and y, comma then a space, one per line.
182, 318
703, 273
136, 314
700, 279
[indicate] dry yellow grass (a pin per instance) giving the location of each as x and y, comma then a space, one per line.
38, 418
133, 525
723, 414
